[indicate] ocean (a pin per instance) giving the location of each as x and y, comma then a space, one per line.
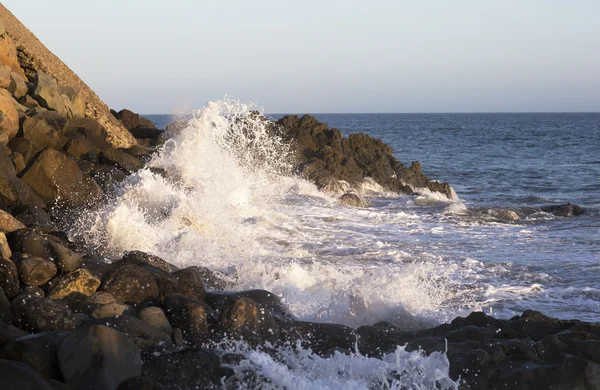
414, 261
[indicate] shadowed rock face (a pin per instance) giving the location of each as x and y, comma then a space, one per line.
33, 57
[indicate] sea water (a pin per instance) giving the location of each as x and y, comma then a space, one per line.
231, 202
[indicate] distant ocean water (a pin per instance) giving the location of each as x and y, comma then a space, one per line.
414, 261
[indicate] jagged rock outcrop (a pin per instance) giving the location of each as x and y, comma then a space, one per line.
29, 58
324, 155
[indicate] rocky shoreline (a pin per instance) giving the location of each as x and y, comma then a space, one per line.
69, 319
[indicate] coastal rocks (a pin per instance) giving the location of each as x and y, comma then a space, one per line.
79, 281
120, 159
20, 376
46, 246
323, 156
156, 317
244, 319
354, 200
131, 284
190, 316
143, 335
37, 351
35, 271
47, 95
9, 118
565, 210
17, 86
9, 277
8, 223
98, 357
178, 370
38, 314
141, 259
57, 178
40, 133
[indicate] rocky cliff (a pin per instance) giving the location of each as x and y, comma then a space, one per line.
28, 58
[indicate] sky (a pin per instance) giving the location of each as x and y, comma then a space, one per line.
164, 57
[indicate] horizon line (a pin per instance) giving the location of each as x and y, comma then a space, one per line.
416, 113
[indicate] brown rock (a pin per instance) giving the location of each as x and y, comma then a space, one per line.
155, 316
112, 309
9, 278
57, 179
190, 316
18, 161
130, 284
38, 314
34, 271
9, 118
8, 223
4, 248
80, 280
40, 133
17, 87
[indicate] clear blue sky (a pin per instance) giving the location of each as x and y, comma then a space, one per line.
157, 56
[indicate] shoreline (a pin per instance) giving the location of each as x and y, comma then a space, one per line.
69, 319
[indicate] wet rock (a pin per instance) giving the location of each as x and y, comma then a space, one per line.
32, 216
156, 317
19, 376
47, 246
98, 357
9, 333
131, 284
565, 210
322, 338
145, 336
141, 258
112, 309
40, 133
179, 369
190, 282
120, 159
36, 351
38, 314
190, 316
140, 383
5, 310
33, 291
244, 319
33, 270
80, 281
9, 278
8, 223
354, 200
268, 302
101, 298
57, 179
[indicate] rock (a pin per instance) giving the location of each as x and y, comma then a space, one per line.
9, 333
52, 118
190, 316
128, 118
38, 314
190, 282
4, 139
9, 118
101, 298
92, 131
145, 336
9, 278
29, 102
180, 369
32, 291
4, 76
35, 271
19, 376
17, 87
36, 351
131, 284
140, 383
268, 302
40, 133
78, 148
244, 319
565, 210
46, 93
74, 101
141, 259
57, 179
5, 310
8, 223
32, 216
46, 246
25, 147
5, 251
156, 317
354, 200
98, 357
80, 281
18, 161
321, 338
120, 160
112, 309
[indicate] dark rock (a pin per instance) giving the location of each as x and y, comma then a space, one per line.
32, 216
101, 298
131, 284
244, 319
47, 246
354, 200
19, 376
9, 333
80, 281
98, 357
140, 383
141, 258
565, 210
268, 302
36, 351
18, 161
33, 270
33, 291
190, 282
322, 338
128, 118
145, 336
8, 223
78, 148
38, 314
9, 278
120, 160
5, 310
190, 316
91, 130
107, 177
179, 370
156, 317
113, 309
57, 179
25, 148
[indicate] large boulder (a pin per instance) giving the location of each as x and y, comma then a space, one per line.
37, 351
74, 101
120, 159
34, 271
192, 317
142, 334
47, 94
8, 223
38, 314
19, 376
57, 179
79, 281
17, 87
131, 284
46, 246
98, 357
9, 277
40, 133
191, 368
9, 117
